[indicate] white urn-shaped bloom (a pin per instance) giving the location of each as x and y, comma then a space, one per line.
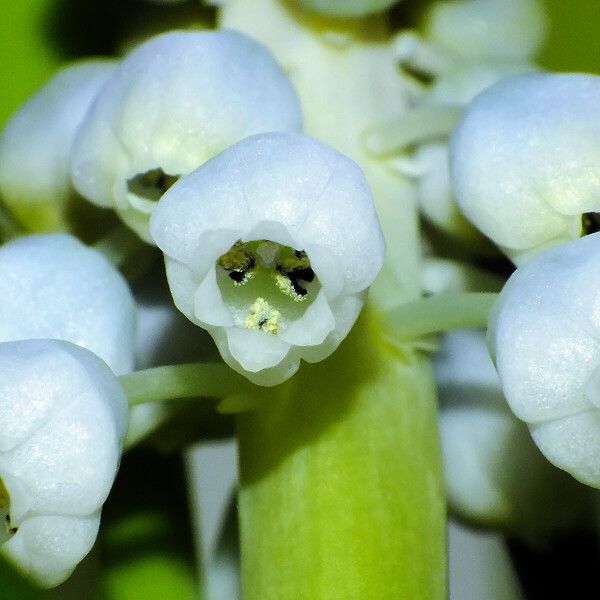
53, 286
545, 335
35, 148
174, 102
271, 247
63, 416
480, 30
485, 448
525, 160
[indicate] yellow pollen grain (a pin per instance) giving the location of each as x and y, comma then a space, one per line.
263, 316
284, 284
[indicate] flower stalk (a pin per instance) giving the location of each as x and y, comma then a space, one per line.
341, 489
340, 493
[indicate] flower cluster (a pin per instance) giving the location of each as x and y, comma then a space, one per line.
271, 241
63, 414
191, 148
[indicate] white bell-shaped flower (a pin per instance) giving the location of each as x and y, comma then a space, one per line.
174, 102
53, 286
524, 161
465, 32
271, 246
545, 334
63, 416
487, 29
484, 447
35, 147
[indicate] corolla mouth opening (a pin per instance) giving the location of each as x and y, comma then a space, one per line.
590, 223
265, 285
7, 528
149, 187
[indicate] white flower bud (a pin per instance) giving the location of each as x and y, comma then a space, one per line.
485, 447
63, 416
270, 246
525, 158
544, 333
173, 103
487, 29
53, 286
35, 147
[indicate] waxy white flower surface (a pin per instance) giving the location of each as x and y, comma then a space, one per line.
487, 29
271, 246
485, 447
346, 8
434, 192
35, 147
63, 416
53, 286
545, 334
174, 102
525, 161
469, 32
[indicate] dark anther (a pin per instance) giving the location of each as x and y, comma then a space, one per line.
13, 530
590, 223
300, 274
304, 273
237, 276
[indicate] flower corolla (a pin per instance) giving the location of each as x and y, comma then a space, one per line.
174, 102
524, 161
504, 30
35, 148
63, 416
545, 335
53, 286
271, 246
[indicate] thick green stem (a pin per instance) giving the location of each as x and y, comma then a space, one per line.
437, 314
340, 493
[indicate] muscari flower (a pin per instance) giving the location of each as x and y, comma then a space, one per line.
53, 286
63, 416
544, 335
271, 246
525, 158
484, 448
174, 102
35, 148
